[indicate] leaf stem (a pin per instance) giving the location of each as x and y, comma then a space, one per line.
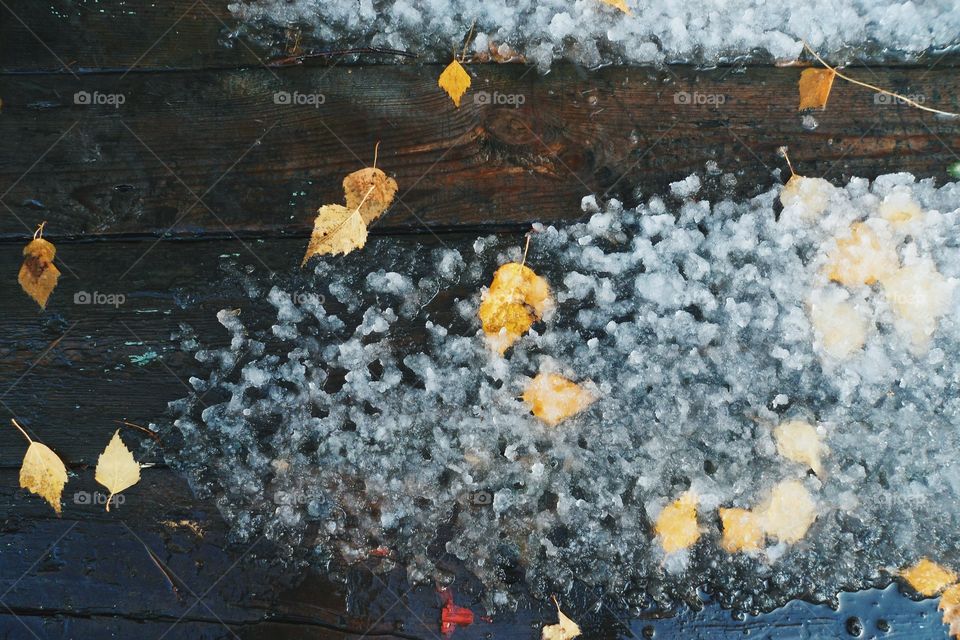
22, 430
905, 99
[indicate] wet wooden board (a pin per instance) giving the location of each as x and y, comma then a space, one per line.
232, 153
89, 574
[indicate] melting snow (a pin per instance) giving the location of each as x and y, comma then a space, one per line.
370, 413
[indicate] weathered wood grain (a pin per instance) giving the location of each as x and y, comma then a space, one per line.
211, 152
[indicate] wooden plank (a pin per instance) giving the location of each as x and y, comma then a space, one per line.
260, 167
74, 37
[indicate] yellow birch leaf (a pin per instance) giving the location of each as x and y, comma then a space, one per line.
516, 298
565, 629
676, 526
336, 230
619, 4
808, 196
788, 512
840, 327
116, 468
455, 81
369, 191
815, 85
742, 530
927, 577
950, 605
553, 398
38, 275
799, 441
42, 472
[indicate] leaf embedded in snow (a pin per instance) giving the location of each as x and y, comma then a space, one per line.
619, 4
565, 629
742, 530
38, 275
455, 81
42, 472
788, 512
370, 191
862, 256
336, 230
799, 441
950, 606
116, 468
516, 298
815, 85
807, 196
553, 398
928, 578
676, 526
840, 326
919, 295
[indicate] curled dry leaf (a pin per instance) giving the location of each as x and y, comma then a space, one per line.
42, 472
370, 191
815, 85
336, 230
38, 275
116, 468
927, 577
565, 629
676, 526
553, 398
799, 441
455, 81
516, 298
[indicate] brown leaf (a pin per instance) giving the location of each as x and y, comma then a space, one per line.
370, 191
38, 275
815, 85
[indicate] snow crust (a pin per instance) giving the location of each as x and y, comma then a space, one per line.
592, 33
357, 413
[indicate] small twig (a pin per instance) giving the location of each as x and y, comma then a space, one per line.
466, 43
905, 99
22, 430
152, 434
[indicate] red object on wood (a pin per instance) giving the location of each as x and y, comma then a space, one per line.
453, 616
